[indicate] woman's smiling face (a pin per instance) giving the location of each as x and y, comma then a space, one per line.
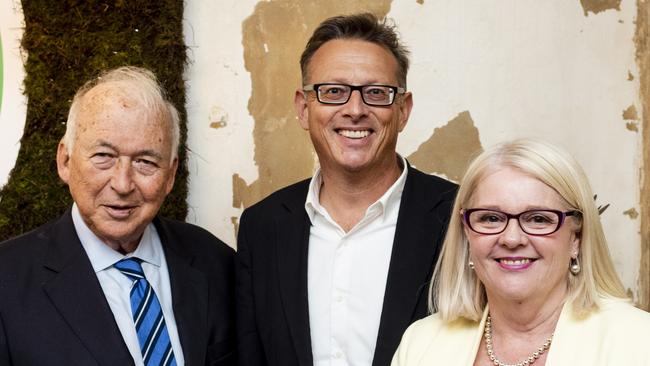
513, 265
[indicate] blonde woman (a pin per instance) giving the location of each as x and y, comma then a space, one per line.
525, 275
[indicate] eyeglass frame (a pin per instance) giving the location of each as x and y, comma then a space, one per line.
397, 90
562, 215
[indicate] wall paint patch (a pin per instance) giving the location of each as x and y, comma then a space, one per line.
450, 148
630, 113
234, 220
218, 118
632, 126
632, 213
273, 39
596, 6
643, 62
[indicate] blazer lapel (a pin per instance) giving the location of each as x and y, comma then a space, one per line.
411, 264
76, 293
291, 249
189, 296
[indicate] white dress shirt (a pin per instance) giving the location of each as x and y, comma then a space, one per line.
346, 277
117, 287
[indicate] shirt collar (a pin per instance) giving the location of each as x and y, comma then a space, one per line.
102, 256
312, 203
389, 200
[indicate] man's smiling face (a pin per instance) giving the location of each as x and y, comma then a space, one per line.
353, 136
119, 169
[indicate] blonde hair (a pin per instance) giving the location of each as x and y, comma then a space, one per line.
133, 82
455, 289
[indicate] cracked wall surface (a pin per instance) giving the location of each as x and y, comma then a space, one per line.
643, 59
596, 6
283, 152
450, 148
273, 38
571, 72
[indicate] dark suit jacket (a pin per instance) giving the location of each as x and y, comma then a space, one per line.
272, 304
53, 310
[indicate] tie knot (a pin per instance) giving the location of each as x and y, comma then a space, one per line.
131, 268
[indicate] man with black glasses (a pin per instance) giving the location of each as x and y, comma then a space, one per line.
333, 269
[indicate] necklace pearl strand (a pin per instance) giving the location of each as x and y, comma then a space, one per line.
490, 351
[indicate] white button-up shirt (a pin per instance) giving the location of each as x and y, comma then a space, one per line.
346, 277
117, 287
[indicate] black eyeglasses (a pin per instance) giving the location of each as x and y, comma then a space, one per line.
532, 222
373, 95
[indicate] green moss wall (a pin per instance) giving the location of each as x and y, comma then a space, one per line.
67, 43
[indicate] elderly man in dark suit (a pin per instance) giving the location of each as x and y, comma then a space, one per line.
109, 282
332, 270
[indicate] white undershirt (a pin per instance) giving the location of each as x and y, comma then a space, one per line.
117, 287
346, 277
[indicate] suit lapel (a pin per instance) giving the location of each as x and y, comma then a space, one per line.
76, 293
291, 250
189, 296
411, 265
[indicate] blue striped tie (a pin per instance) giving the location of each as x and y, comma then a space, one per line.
147, 315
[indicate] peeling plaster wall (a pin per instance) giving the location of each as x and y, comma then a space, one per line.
643, 60
13, 104
596, 6
481, 73
540, 69
270, 58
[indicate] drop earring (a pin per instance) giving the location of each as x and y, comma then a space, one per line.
574, 268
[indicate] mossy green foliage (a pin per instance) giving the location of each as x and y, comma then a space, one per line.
67, 43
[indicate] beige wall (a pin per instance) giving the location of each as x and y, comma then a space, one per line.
482, 72
643, 59
13, 105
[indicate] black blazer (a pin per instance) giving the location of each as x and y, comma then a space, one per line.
53, 310
272, 304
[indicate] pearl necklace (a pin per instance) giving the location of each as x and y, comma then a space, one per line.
490, 352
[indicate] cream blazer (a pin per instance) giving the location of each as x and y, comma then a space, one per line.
617, 334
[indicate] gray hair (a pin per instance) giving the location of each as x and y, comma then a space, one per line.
137, 83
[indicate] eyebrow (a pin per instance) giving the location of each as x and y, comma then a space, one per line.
145, 152
527, 208
362, 84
